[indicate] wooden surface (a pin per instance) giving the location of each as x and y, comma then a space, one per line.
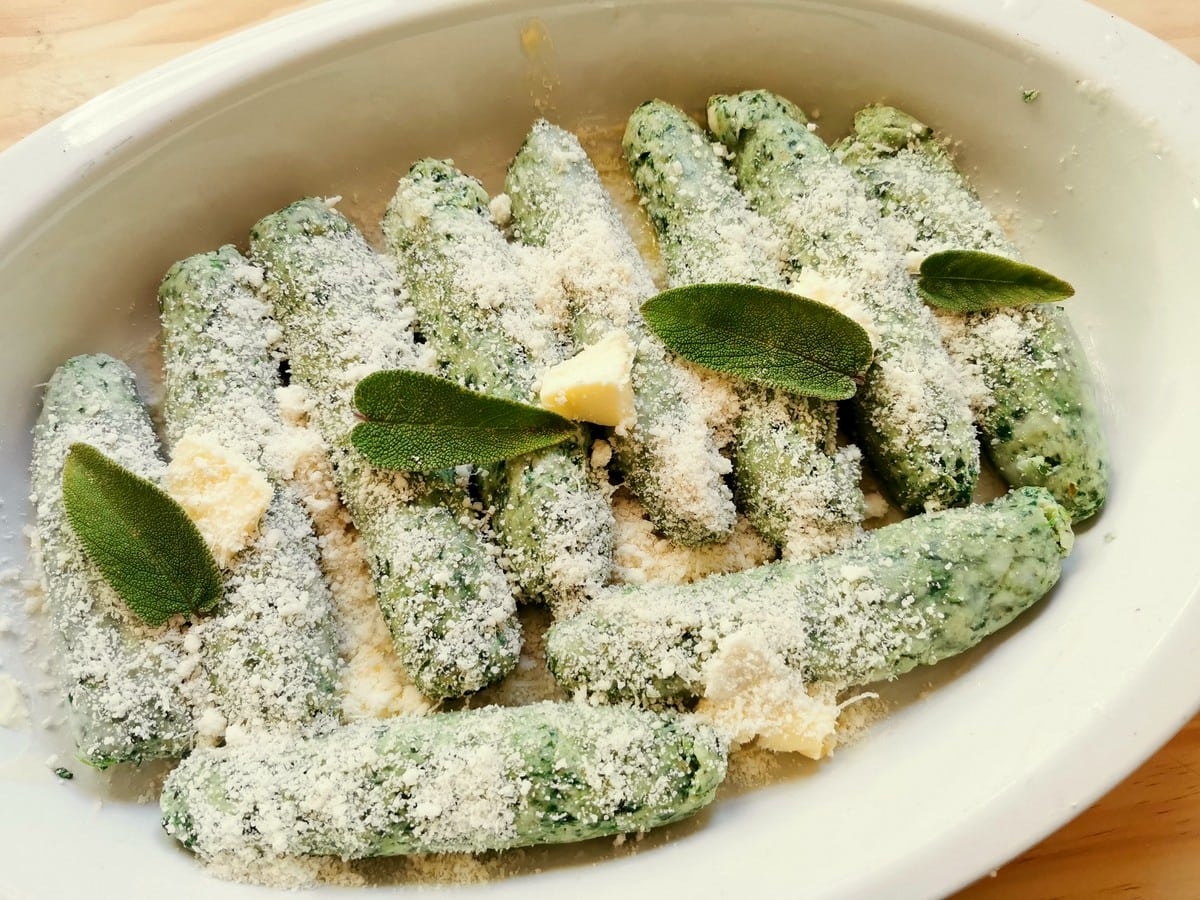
1141, 841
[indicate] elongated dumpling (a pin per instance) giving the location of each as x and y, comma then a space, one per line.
913, 417
476, 310
270, 649
483, 779
794, 483
122, 678
908, 594
447, 603
1033, 398
668, 454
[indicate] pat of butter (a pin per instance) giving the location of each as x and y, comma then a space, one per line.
595, 385
222, 492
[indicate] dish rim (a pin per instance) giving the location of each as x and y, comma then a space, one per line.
38, 171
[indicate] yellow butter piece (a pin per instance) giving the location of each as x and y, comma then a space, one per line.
595, 385
222, 492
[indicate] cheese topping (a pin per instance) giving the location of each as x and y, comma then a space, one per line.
13, 711
835, 292
643, 556
374, 684
594, 385
750, 691
221, 491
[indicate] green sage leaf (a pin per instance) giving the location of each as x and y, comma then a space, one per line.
763, 335
970, 281
421, 423
140, 539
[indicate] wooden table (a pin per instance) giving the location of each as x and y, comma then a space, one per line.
1140, 841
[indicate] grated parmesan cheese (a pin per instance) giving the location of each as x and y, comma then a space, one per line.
642, 556
222, 492
749, 691
373, 683
14, 712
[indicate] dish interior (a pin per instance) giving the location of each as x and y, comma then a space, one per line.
1095, 191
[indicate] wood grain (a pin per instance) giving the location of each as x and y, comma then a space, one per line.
1140, 842
54, 55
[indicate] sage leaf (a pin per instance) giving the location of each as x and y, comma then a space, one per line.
970, 281
140, 539
421, 423
763, 335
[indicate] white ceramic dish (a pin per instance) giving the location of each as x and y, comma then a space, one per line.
1103, 171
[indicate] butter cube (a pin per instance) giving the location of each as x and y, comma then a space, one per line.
594, 385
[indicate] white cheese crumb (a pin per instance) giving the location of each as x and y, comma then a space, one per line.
749, 691
13, 711
236, 735
835, 292
500, 207
602, 454
223, 493
876, 505
211, 724
594, 385
250, 275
